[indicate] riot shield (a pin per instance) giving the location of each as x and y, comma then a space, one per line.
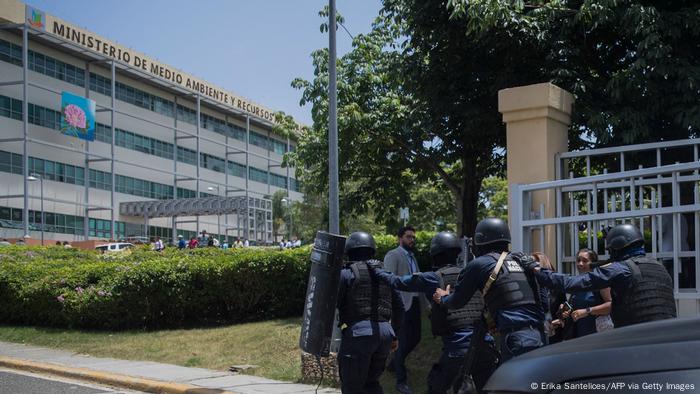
322, 293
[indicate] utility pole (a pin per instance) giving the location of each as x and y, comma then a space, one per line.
333, 211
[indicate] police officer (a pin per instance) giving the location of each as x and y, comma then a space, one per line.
370, 313
455, 326
512, 298
641, 288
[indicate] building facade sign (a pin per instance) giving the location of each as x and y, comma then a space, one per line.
107, 48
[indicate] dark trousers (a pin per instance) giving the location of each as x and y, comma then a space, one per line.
518, 342
361, 362
409, 337
446, 373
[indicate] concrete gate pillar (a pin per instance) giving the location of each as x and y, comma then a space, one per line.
537, 121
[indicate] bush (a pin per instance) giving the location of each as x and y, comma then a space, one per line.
144, 289
52, 286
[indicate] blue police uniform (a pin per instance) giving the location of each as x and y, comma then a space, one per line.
521, 326
582, 300
366, 343
615, 275
641, 289
444, 374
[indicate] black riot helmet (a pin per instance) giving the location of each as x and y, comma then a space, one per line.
622, 237
491, 230
491, 235
360, 246
444, 248
444, 241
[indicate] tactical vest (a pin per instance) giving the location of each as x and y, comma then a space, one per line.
649, 297
511, 288
447, 321
367, 299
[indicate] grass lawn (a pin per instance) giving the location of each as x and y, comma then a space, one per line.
271, 345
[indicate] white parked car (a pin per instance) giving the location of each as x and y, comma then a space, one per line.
114, 247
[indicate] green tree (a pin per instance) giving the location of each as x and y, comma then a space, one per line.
416, 104
280, 214
309, 216
431, 207
493, 200
366, 222
633, 66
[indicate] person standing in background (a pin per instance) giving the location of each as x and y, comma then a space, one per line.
402, 261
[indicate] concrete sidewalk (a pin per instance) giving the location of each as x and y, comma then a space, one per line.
142, 375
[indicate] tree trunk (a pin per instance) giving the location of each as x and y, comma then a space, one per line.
459, 204
468, 199
471, 202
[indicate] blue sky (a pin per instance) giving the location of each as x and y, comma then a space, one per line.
253, 48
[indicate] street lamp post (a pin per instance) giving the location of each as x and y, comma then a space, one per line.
333, 211
37, 177
218, 214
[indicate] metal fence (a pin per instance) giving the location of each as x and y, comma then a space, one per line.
654, 186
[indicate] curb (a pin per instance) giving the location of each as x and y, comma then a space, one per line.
124, 381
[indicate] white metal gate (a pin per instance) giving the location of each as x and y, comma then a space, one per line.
654, 186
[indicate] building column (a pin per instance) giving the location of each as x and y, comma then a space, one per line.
199, 154
174, 219
537, 121
25, 128
86, 189
247, 177
113, 189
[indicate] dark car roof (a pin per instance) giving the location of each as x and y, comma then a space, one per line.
666, 345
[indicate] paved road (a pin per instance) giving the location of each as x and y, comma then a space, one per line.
164, 374
16, 382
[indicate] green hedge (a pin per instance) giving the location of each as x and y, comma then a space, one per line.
145, 289
59, 287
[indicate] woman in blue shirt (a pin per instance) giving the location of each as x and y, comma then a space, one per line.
587, 305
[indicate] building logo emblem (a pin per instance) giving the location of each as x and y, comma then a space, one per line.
35, 18
77, 116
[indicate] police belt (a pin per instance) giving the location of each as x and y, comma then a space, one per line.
509, 330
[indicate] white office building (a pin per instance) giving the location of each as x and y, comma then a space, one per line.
172, 154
